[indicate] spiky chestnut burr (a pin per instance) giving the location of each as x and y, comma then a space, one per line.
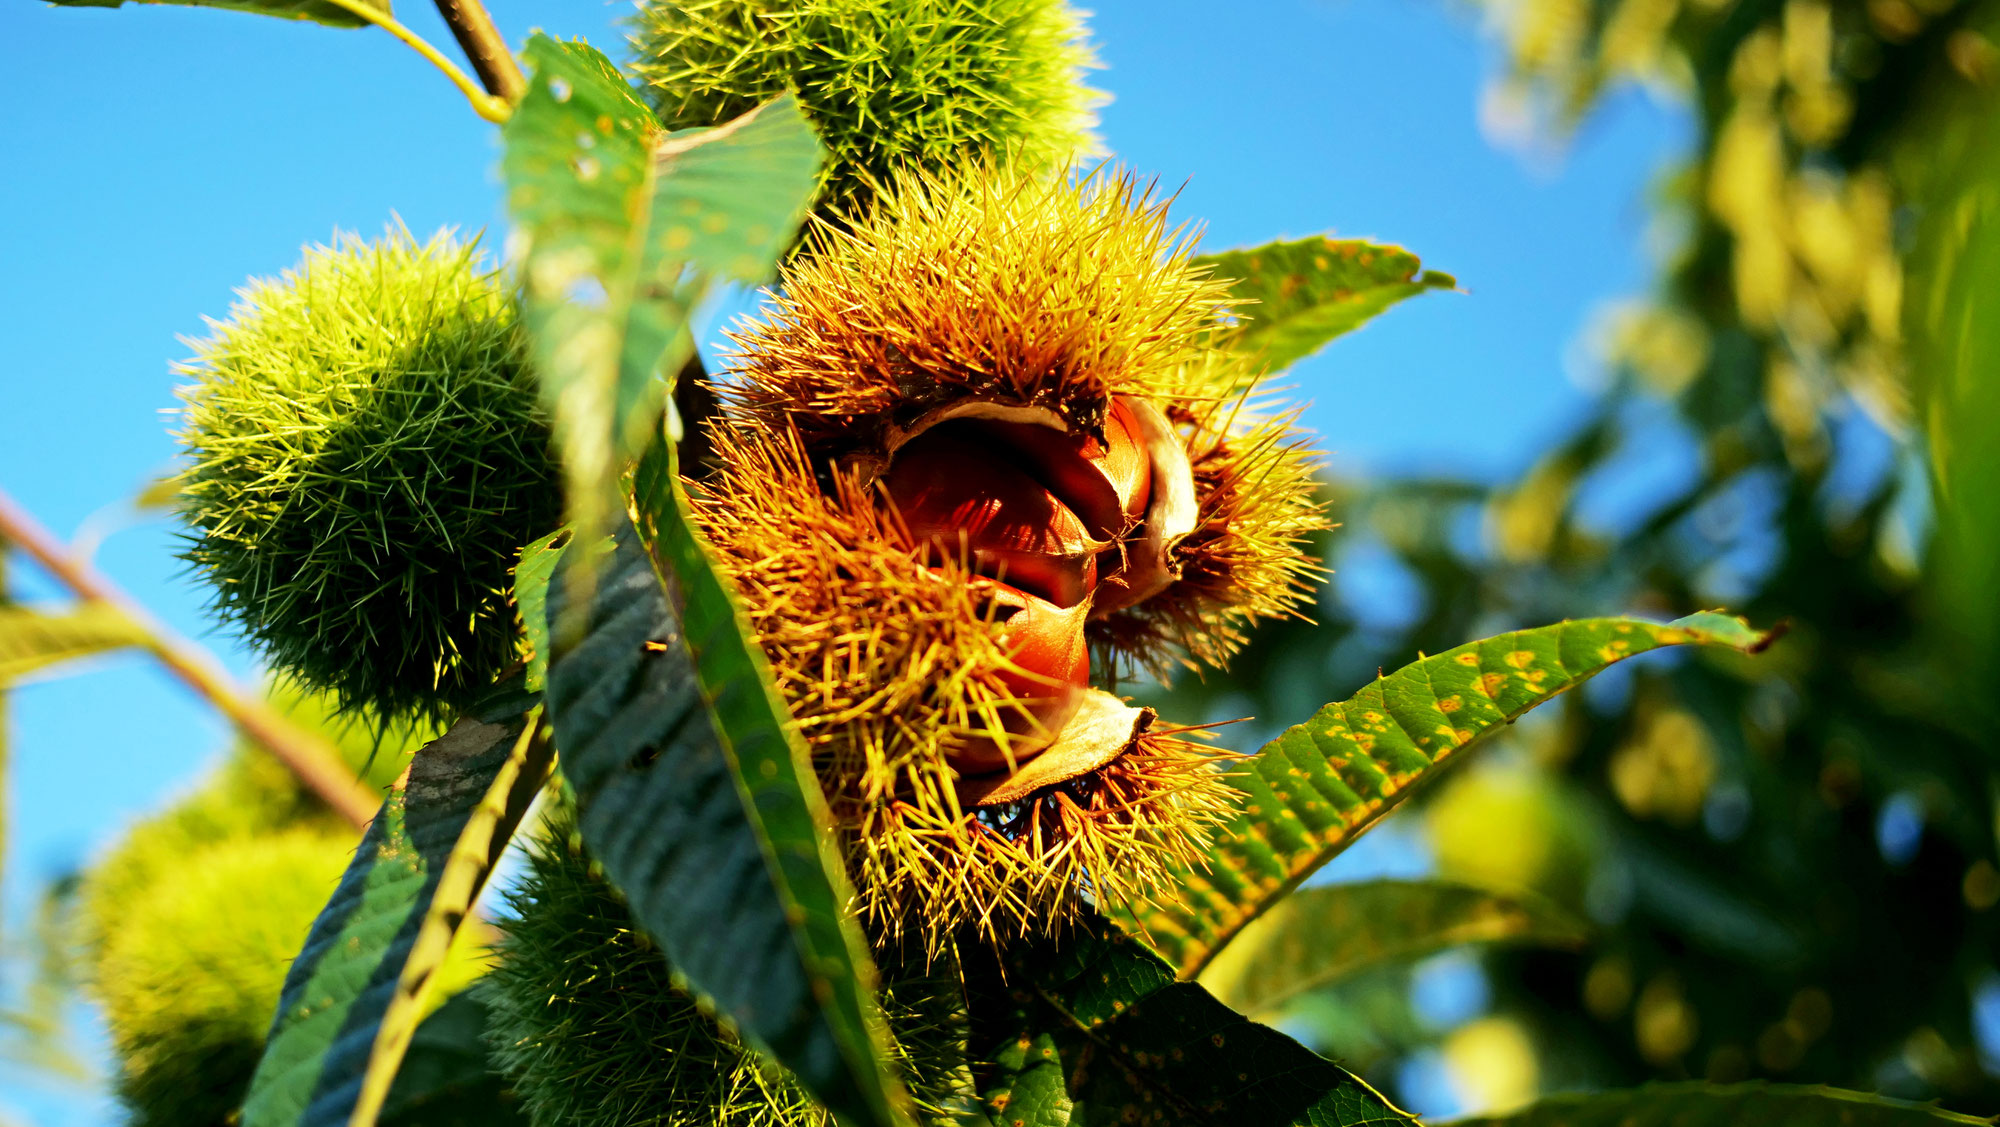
365, 459
591, 1031
888, 84
981, 429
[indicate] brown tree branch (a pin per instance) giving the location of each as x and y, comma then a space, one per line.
310, 758
484, 48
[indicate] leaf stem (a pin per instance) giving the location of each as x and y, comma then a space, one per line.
485, 47
309, 758
493, 109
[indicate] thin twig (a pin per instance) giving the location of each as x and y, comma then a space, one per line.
315, 763
485, 48
493, 109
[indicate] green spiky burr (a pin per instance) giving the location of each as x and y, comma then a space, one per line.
365, 459
891, 85
591, 1030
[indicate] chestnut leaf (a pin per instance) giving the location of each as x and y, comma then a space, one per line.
318, 11
353, 998
1300, 295
624, 227
1319, 936
1092, 1028
694, 793
1321, 784
32, 639
1709, 1105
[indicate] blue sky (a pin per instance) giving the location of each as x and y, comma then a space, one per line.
159, 156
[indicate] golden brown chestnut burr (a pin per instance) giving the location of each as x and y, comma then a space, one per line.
980, 453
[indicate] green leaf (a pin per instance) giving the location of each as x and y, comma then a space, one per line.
1318, 936
625, 226
1320, 784
531, 595
1951, 319
318, 11
1092, 1028
352, 999
695, 795
446, 1079
1701, 1105
1308, 292
32, 639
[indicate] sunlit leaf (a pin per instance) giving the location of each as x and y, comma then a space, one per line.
1320, 784
1952, 319
624, 226
1703, 1105
531, 595
1318, 936
353, 998
318, 11
694, 795
1306, 293
1093, 1029
33, 639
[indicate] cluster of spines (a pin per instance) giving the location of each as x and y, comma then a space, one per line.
1032, 290
934, 873
998, 283
366, 457
592, 1030
887, 84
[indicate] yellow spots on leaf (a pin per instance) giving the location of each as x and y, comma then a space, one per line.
1613, 650
1467, 658
714, 222
1521, 659
1450, 704
603, 124
679, 238
1489, 683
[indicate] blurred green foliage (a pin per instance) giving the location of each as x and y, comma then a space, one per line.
185, 927
1792, 865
